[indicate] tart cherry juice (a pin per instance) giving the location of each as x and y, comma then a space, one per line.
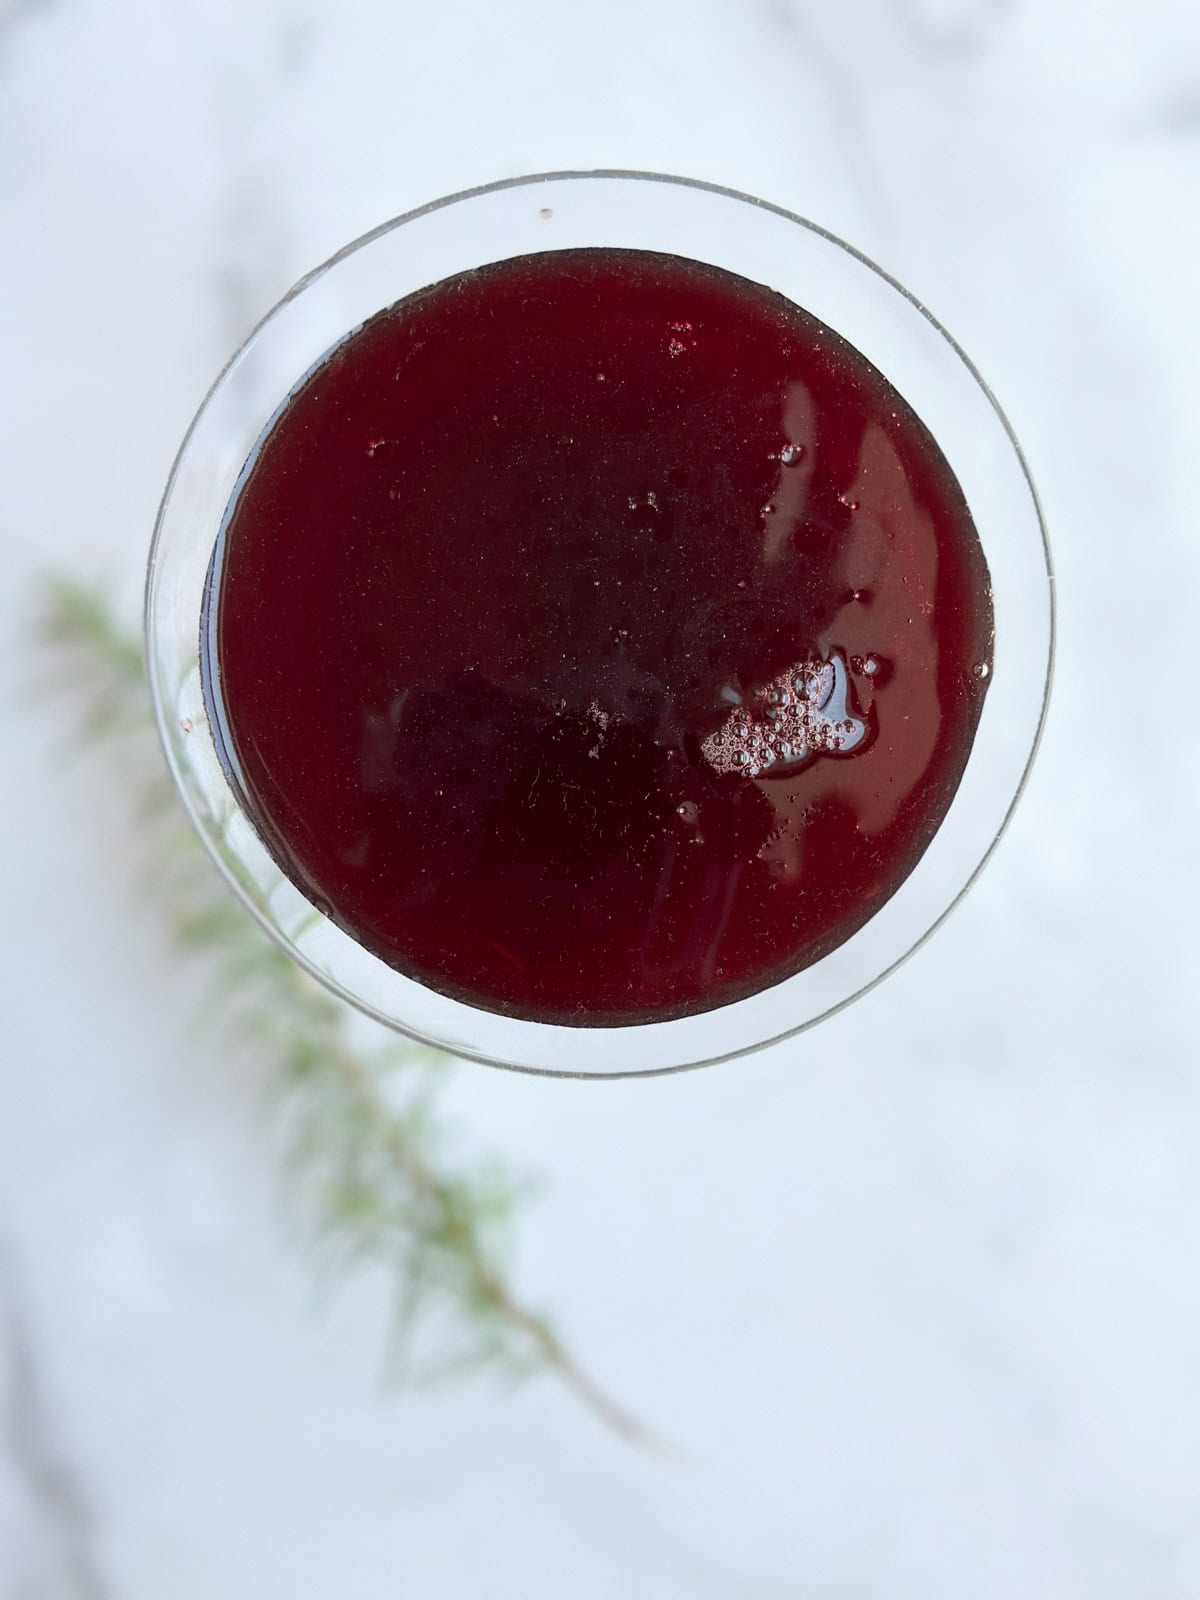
597, 637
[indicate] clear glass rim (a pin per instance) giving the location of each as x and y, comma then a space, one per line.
277, 937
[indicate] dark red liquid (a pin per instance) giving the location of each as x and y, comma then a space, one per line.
600, 638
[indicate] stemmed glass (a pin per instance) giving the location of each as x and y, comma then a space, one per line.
639, 211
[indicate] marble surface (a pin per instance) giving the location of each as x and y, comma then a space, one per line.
916, 1293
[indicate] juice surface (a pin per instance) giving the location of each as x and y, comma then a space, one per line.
597, 637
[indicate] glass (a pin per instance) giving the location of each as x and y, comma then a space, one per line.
638, 211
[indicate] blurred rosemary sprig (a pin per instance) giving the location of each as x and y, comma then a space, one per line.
373, 1171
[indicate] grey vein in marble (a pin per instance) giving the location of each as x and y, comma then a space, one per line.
791, 18
14, 15
64, 1533
961, 36
1181, 113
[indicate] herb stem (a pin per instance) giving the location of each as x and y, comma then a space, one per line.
377, 1186
486, 1283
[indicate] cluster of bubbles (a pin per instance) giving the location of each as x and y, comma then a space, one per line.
681, 338
805, 711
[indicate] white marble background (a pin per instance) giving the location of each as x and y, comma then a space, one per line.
918, 1292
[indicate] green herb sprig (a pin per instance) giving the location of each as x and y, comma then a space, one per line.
371, 1160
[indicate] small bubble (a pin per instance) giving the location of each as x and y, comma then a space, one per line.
602, 377
688, 810
373, 445
767, 510
545, 213
752, 771
870, 666
768, 757
981, 669
675, 348
850, 505
186, 724
779, 697
791, 455
783, 748
742, 758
